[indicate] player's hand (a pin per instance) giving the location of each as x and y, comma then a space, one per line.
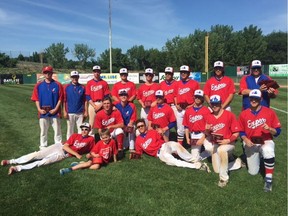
266, 127
88, 156
271, 91
223, 142
178, 107
85, 115
263, 87
79, 156
200, 142
65, 115
41, 111
52, 111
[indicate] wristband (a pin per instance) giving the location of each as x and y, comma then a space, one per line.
232, 138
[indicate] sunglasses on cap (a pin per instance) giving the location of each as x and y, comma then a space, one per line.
140, 126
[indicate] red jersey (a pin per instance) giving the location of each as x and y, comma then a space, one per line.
147, 92
251, 122
223, 87
106, 151
169, 89
161, 115
97, 89
102, 119
129, 86
226, 124
80, 144
185, 91
194, 118
150, 143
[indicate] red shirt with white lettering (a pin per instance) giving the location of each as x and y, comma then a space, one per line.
129, 86
105, 150
223, 87
147, 92
161, 115
252, 122
102, 119
185, 91
194, 119
150, 143
97, 89
80, 144
169, 89
226, 124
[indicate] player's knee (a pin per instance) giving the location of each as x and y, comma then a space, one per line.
118, 131
268, 153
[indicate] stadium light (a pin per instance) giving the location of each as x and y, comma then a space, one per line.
110, 36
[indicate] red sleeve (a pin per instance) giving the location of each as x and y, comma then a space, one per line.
234, 124
232, 86
34, 96
275, 121
97, 121
133, 89
139, 93
207, 88
149, 116
96, 147
240, 122
118, 116
114, 148
243, 84
138, 147
172, 117
114, 91
71, 139
64, 93
134, 114
106, 89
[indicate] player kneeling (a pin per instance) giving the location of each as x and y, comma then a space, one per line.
101, 154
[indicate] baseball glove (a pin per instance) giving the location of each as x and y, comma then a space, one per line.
257, 140
216, 137
134, 155
269, 83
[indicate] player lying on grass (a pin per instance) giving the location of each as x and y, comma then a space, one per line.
101, 154
258, 125
151, 142
75, 146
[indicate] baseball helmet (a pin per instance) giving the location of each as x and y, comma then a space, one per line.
47, 69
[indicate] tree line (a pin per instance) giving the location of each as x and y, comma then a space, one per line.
232, 47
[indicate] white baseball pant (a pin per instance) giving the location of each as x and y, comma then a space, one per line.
168, 148
267, 150
129, 141
49, 155
44, 126
74, 118
195, 149
92, 114
116, 132
180, 126
144, 114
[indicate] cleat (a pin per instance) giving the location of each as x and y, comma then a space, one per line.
5, 162
74, 164
222, 183
267, 187
12, 170
205, 167
64, 171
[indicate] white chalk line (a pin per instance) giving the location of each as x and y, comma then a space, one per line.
283, 111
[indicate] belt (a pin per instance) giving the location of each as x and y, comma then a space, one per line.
97, 101
196, 132
171, 104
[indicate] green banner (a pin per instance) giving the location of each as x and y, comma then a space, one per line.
278, 70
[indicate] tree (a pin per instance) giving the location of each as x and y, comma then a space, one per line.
137, 57
82, 52
56, 55
119, 60
6, 61
21, 57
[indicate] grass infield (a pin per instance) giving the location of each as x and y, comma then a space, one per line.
139, 187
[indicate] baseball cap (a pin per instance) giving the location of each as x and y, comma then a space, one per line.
256, 64
199, 92
169, 70
159, 93
122, 92
218, 64
185, 68
255, 93
149, 70
74, 73
215, 99
47, 69
96, 68
123, 70
85, 124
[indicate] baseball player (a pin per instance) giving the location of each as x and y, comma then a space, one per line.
258, 125
252, 81
75, 104
146, 94
194, 123
221, 85
100, 154
169, 87
48, 96
124, 84
184, 98
109, 118
129, 114
222, 132
75, 146
161, 117
151, 142
96, 90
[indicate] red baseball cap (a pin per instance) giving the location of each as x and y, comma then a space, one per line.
47, 69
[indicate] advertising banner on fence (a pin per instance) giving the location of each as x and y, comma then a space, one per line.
11, 79
193, 75
278, 70
142, 78
242, 70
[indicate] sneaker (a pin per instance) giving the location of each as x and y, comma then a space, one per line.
4, 162
64, 171
12, 170
205, 167
267, 187
222, 183
74, 164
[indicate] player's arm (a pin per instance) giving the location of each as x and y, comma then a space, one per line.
70, 151
228, 101
132, 98
57, 107
41, 111
187, 134
85, 114
245, 139
230, 140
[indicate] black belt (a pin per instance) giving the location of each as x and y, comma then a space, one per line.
196, 132
98, 101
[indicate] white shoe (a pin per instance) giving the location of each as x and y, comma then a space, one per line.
222, 183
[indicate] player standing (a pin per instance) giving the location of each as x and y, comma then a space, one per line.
221, 85
96, 90
258, 125
184, 98
124, 84
48, 96
75, 104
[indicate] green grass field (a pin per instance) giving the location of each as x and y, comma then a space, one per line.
139, 187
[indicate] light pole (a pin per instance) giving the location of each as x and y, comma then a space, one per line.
110, 36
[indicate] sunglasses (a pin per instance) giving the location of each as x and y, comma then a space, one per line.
218, 68
123, 95
140, 126
148, 74
84, 129
254, 69
159, 97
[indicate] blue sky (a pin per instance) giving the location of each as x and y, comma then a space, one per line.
32, 25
